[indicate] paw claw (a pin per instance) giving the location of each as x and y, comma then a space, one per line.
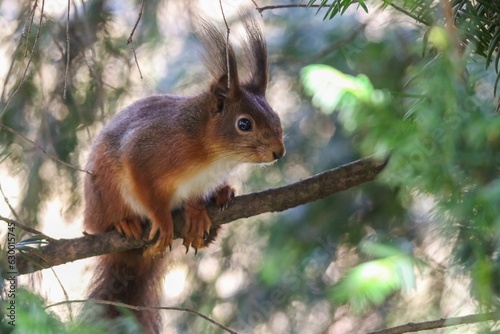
224, 196
164, 234
186, 244
197, 225
129, 228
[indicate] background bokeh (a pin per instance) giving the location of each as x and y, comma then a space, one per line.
376, 79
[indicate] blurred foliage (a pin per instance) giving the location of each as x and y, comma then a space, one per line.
374, 92
478, 20
441, 145
336, 7
32, 316
372, 282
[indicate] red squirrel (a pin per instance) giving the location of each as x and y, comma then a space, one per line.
167, 152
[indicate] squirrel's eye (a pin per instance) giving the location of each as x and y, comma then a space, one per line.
244, 124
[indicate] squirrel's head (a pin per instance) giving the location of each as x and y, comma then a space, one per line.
242, 123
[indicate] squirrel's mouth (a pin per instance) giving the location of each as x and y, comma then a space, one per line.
269, 157
261, 153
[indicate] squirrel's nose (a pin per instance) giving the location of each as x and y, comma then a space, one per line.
279, 153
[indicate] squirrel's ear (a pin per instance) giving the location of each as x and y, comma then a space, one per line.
220, 60
256, 56
224, 90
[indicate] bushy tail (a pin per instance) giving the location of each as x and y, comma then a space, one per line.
131, 278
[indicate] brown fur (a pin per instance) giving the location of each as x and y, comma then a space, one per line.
165, 152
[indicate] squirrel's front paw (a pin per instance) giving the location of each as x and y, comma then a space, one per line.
197, 225
224, 196
164, 239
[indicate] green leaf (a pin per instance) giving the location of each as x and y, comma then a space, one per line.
363, 5
371, 283
329, 86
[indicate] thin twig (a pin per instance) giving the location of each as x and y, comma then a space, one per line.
130, 38
145, 308
6, 200
29, 60
86, 27
51, 156
396, 7
70, 310
19, 47
9, 73
30, 19
261, 9
329, 49
24, 227
440, 323
227, 46
135, 58
343, 41
410, 15
58, 45
257, 8
67, 53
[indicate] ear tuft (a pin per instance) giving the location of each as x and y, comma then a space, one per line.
256, 56
219, 59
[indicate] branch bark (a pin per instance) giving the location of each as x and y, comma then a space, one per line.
440, 323
278, 199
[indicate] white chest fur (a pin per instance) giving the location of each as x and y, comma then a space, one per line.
204, 182
201, 183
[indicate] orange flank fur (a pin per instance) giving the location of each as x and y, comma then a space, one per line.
103, 201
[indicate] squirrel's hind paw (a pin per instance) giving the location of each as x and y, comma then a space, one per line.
164, 239
224, 196
130, 228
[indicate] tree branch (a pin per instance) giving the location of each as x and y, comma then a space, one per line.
440, 323
272, 200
